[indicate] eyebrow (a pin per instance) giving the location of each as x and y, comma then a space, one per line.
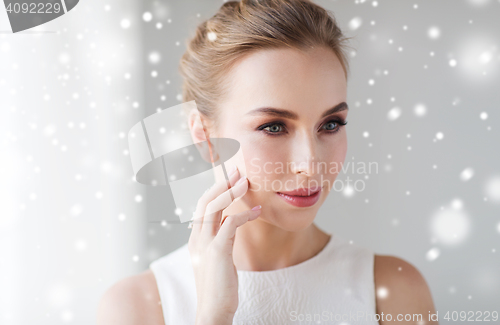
291, 115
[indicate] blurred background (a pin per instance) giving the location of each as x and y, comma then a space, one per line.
424, 106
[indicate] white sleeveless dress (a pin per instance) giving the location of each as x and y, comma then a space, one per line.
336, 286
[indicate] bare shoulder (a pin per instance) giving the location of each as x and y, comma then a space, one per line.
401, 291
131, 301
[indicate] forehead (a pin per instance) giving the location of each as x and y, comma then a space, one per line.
287, 78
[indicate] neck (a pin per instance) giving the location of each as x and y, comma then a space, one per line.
261, 246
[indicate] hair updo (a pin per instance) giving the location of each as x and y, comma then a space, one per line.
241, 27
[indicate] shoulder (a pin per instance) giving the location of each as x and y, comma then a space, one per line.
401, 289
131, 301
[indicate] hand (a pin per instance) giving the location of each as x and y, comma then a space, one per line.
211, 249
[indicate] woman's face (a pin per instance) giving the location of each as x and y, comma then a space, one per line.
276, 109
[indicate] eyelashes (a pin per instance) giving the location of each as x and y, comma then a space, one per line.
339, 124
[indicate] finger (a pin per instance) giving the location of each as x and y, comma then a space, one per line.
228, 228
208, 196
212, 218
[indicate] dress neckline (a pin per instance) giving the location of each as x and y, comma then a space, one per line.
303, 264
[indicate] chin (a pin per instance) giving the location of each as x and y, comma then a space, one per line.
290, 220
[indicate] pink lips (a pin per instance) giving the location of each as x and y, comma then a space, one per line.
302, 197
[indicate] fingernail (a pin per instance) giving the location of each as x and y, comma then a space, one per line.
241, 181
232, 170
257, 207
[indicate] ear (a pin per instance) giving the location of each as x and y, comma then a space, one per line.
200, 135
196, 126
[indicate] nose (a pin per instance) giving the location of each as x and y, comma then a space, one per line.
303, 154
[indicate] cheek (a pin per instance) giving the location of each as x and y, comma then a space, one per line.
332, 157
339, 151
261, 163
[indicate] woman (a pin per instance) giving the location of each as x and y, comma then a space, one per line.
271, 74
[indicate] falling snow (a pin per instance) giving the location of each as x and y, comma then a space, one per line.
466, 174
492, 188
394, 114
355, 23
420, 110
451, 225
125, 23
147, 16
434, 32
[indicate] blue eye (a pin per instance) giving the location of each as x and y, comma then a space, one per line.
336, 125
331, 123
272, 128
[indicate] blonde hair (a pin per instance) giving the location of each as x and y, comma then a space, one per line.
241, 27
